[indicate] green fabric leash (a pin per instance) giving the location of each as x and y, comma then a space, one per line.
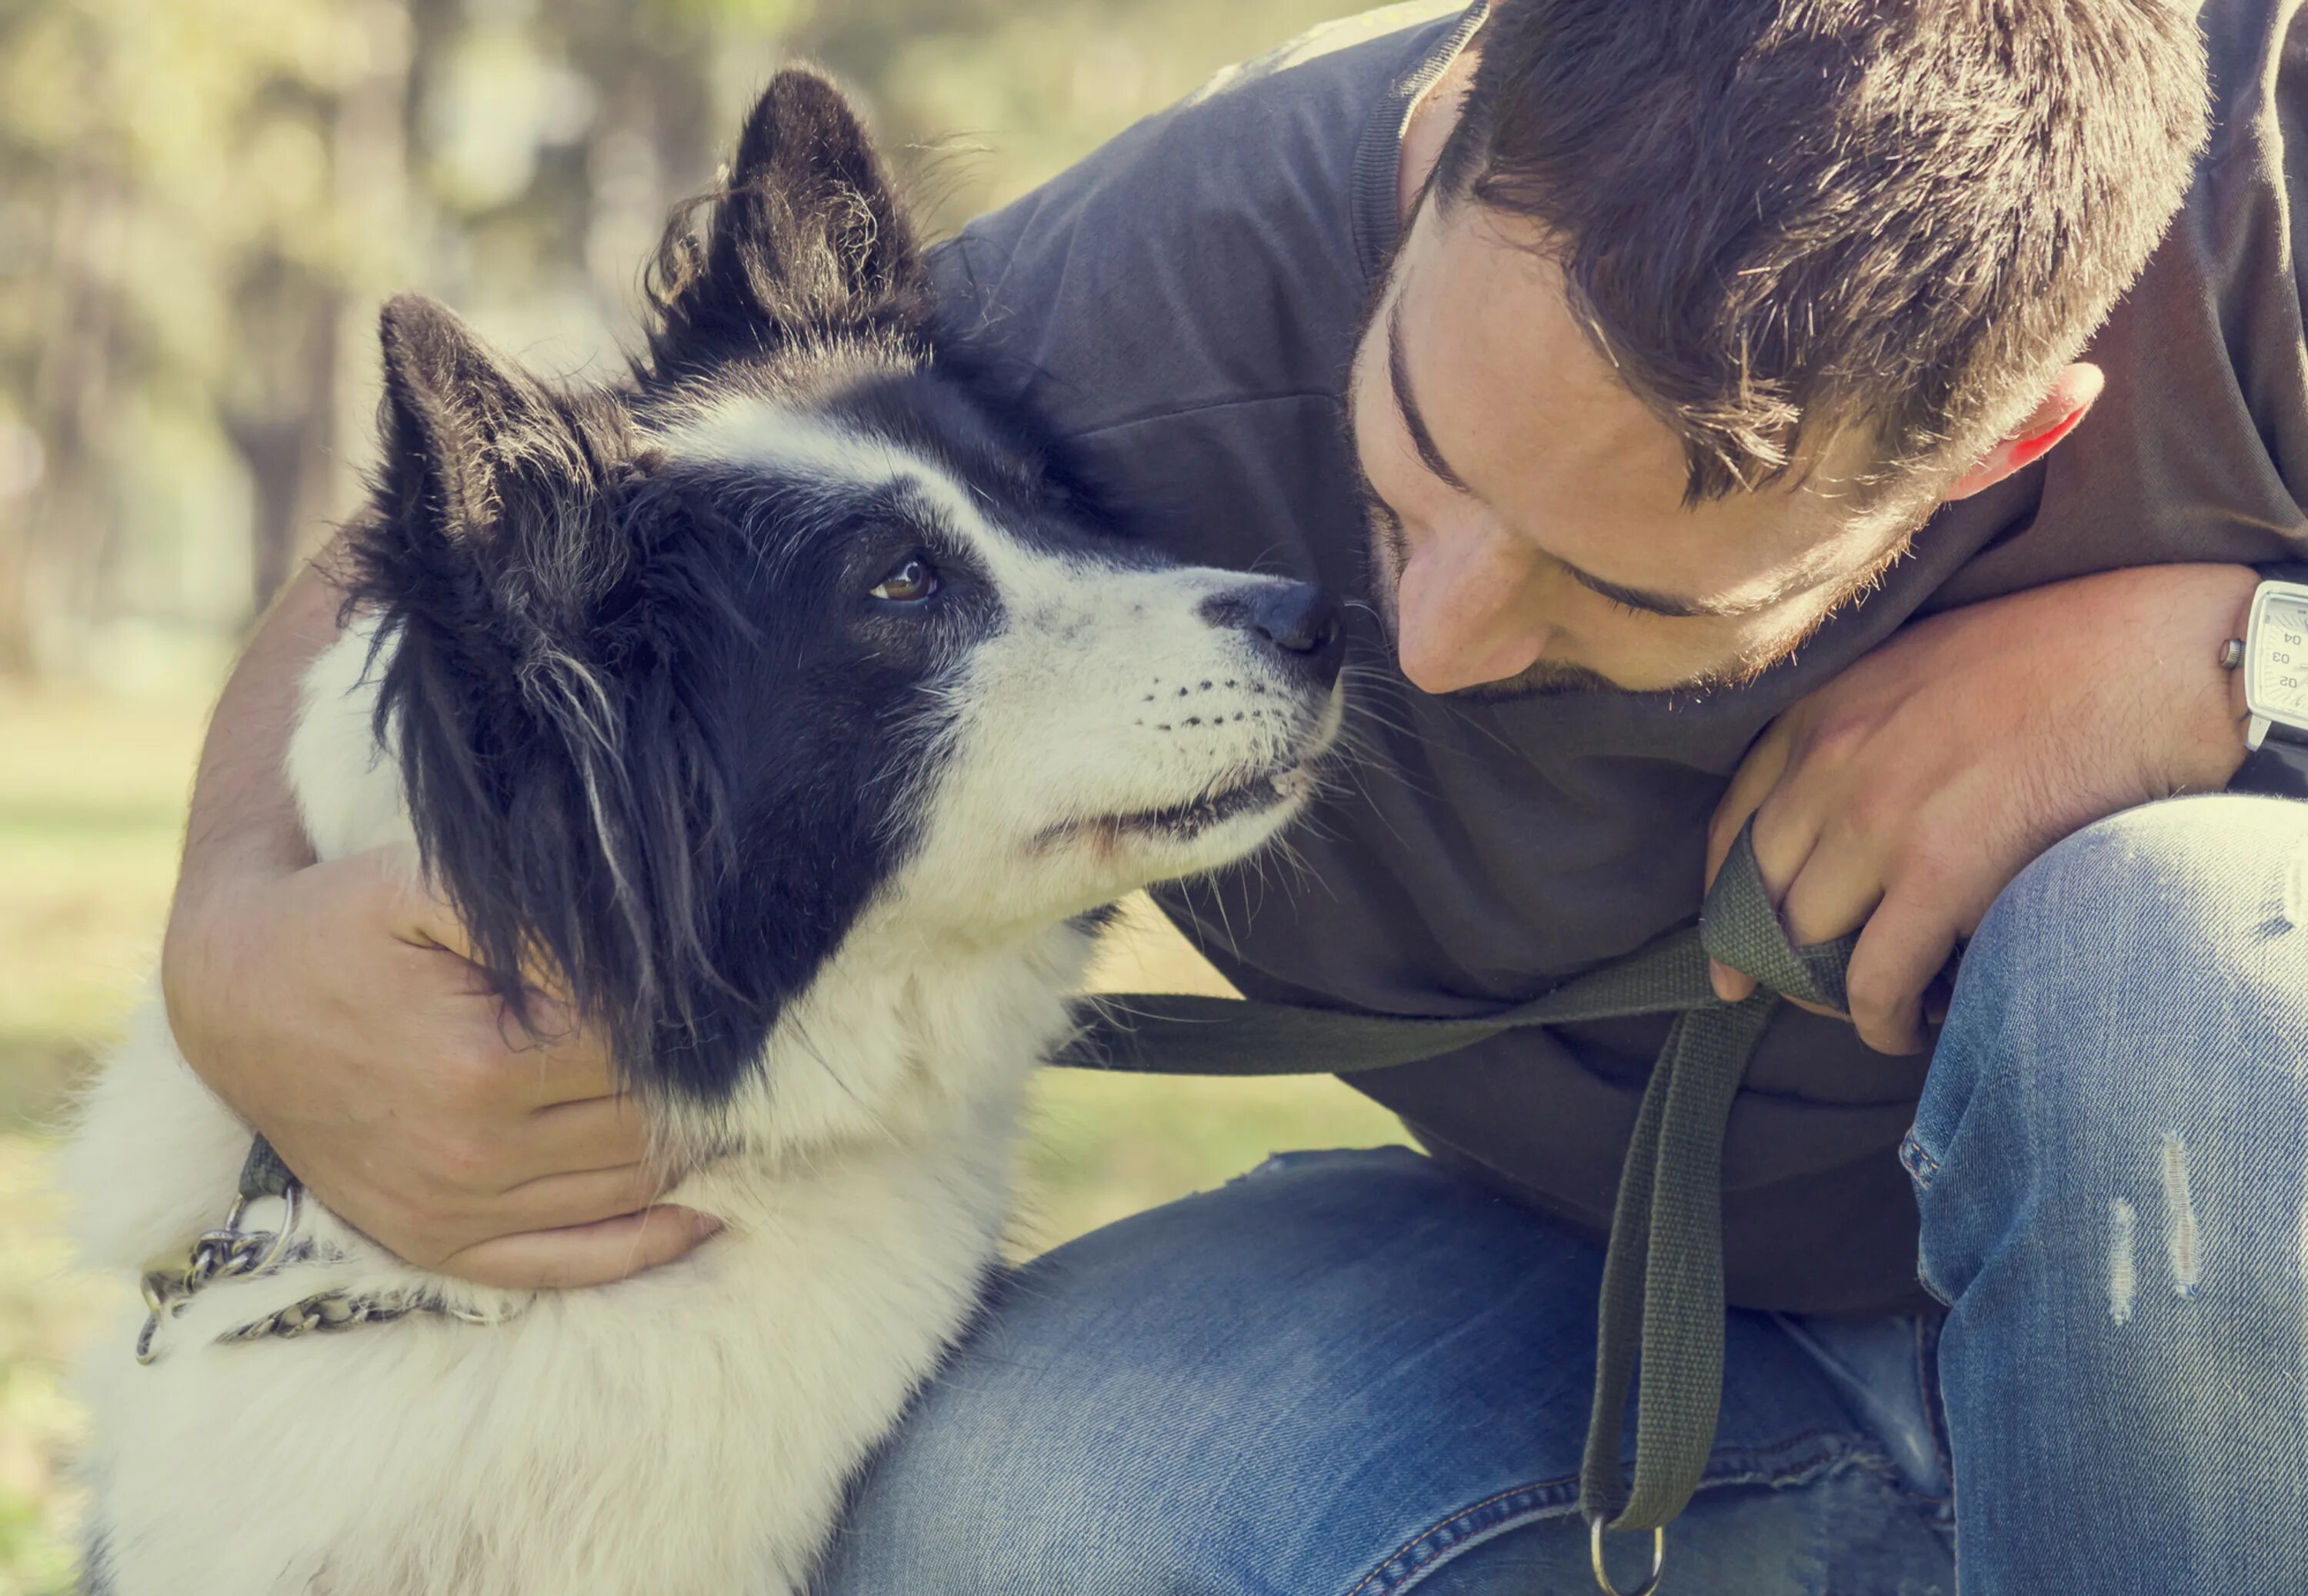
1662, 1296
261, 1172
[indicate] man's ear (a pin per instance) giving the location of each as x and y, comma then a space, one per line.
806, 237
2072, 394
455, 418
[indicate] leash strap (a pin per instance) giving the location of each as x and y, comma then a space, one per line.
262, 1174
1661, 1308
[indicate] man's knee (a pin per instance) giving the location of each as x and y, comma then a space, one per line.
2173, 932
2147, 975
2189, 885
2135, 1004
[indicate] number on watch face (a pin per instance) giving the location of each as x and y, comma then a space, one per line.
2284, 657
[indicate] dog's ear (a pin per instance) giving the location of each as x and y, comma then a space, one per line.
457, 420
562, 792
806, 239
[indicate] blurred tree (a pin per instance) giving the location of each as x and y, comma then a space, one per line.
996, 96
201, 202
178, 165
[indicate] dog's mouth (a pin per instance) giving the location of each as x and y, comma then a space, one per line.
1285, 784
1182, 822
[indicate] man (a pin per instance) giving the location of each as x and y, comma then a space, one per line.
1702, 363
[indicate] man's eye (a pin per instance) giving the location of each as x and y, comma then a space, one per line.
914, 580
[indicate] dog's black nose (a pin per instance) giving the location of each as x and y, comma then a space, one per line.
1298, 620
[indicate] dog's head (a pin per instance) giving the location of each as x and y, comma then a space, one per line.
686, 676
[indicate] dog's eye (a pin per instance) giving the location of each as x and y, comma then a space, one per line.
914, 580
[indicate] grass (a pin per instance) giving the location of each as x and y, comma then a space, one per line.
93, 789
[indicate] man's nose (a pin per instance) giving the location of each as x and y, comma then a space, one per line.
1461, 622
1297, 621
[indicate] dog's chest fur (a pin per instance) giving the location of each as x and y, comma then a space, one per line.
685, 1430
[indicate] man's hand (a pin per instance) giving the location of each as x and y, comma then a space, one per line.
331, 1007
1906, 793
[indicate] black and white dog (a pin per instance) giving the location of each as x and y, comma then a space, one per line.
790, 702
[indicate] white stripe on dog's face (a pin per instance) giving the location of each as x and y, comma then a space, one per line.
1104, 694
780, 441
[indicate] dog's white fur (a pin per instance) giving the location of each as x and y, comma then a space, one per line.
689, 1429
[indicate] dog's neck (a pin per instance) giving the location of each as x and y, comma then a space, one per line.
898, 1041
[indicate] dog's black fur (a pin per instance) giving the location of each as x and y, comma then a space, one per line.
657, 738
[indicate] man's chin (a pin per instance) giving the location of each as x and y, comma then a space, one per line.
1544, 680
1549, 679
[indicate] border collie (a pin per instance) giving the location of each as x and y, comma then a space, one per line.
790, 702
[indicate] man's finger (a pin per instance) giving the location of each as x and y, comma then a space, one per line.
1785, 834
1765, 762
1788, 832
578, 1198
591, 1134
1907, 943
1834, 892
1759, 773
557, 1059
583, 1255
1837, 887
422, 917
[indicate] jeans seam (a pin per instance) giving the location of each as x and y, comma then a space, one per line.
1796, 1470
1917, 1161
1539, 1489
1928, 1327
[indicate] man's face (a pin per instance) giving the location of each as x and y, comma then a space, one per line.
1527, 523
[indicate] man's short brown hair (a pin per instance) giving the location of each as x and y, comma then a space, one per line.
1783, 217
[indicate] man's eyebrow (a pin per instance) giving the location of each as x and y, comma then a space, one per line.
1638, 598
1399, 376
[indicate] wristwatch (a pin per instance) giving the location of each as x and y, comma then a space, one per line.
2273, 653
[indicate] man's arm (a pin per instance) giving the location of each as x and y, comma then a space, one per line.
1905, 795
328, 1004
241, 812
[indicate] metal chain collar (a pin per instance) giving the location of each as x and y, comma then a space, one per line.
228, 1252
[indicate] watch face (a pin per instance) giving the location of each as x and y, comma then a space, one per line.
2280, 658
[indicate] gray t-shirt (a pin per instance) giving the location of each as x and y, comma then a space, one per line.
1184, 302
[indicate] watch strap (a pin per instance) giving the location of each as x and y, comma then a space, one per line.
2277, 769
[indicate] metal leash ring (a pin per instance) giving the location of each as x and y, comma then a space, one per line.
1603, 1575
227, 1252
230, 1253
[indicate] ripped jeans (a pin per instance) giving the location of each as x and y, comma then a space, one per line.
1350, 1374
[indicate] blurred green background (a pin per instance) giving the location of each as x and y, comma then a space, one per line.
201, 204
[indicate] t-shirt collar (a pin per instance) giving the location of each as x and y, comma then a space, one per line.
1378, 156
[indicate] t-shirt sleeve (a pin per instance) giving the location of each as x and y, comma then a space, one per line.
2197, 448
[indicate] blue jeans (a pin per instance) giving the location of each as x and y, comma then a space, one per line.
1349, 1374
